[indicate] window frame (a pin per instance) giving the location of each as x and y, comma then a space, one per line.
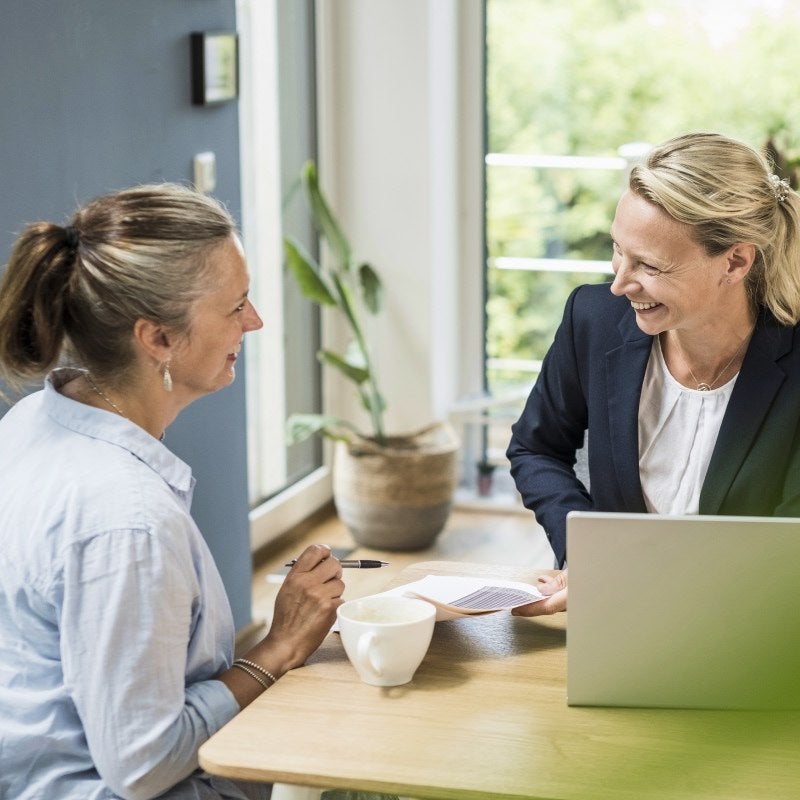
287, 503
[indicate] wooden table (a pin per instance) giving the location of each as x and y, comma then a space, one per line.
486, 717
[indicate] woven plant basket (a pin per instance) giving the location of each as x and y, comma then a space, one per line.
397, 497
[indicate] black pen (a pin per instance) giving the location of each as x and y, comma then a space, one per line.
358, 563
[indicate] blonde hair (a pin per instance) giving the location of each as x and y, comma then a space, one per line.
140, 253
725, 190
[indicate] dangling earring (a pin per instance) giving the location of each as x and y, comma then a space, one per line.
167, 378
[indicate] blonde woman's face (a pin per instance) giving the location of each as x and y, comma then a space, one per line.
207, 359
670, 281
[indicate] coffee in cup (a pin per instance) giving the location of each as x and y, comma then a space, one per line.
386, 636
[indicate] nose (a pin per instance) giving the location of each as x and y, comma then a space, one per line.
624, 280
252, 321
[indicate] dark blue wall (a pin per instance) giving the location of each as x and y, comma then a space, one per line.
95, 96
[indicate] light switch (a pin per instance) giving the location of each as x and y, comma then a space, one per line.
205, 172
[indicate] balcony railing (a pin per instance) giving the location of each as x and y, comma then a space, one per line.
627, 156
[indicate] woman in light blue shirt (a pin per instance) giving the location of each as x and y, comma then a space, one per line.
116, 637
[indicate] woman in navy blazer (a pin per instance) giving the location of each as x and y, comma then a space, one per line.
707, 283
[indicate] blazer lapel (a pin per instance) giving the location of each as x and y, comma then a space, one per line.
625, 368
759, 380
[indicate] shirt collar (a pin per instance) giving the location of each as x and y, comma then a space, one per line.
114, 429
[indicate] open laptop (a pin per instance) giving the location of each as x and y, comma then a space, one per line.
683, 612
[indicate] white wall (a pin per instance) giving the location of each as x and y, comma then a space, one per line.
401, 159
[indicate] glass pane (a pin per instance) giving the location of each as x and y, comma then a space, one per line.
582, 78
297, 89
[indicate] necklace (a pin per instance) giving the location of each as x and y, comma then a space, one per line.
702, 386
98, 391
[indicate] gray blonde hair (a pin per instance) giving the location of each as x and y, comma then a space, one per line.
140, 253
725, 190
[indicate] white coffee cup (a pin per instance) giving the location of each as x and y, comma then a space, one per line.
386, 637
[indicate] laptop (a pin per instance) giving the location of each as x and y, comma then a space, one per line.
683, 611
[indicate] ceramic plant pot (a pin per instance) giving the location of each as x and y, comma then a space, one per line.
399, 496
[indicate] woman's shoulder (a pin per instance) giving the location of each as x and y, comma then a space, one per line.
122, 490
88, 484
774, 338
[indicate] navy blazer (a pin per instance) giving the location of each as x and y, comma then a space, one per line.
590, 383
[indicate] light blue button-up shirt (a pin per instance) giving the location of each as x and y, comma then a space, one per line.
113, 617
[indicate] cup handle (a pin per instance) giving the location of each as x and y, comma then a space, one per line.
367, 655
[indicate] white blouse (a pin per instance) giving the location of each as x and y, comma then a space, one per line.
678, 428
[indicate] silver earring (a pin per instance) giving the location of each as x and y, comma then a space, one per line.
167, 378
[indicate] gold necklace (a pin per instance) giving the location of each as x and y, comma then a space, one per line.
702, 386
102, 394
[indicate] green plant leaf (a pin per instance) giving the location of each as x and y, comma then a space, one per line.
371, 288
354, 355
300, 427
307, 273
368, 400
344, 299
347, 290
355, 372
324, 217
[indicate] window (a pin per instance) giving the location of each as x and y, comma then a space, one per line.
571, 89
278, 134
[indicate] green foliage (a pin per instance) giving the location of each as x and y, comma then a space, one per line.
306, 272
583, 77
371, 288
324, 218
352, 292
300, 426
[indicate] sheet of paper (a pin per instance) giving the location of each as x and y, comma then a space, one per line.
456, 596
461, 596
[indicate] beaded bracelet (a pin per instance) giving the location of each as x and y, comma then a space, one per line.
252, 664
254, 675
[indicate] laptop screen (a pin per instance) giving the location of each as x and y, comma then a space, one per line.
683, 612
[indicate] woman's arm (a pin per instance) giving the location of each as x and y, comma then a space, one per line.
305, 610
141, 645
547, 436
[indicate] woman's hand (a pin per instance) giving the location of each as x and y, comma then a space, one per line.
305, 608
555, 587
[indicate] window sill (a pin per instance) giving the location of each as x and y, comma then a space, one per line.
276, 516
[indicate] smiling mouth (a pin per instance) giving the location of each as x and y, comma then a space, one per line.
643, 306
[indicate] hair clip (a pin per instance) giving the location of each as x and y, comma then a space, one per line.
780, 188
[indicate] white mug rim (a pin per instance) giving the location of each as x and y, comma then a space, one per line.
341, 611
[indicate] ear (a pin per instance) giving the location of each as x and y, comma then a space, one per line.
154, 340
740, 258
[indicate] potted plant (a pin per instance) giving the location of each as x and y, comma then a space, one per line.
485, 471
392, 492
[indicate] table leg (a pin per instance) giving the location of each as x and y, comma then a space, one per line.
283, 791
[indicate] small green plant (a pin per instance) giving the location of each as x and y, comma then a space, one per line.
353, 290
